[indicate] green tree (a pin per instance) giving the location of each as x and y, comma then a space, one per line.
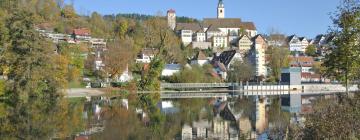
29, 60
34, 85
310, 50
343, 63
240, 71
195, 74
279, 58
122, 28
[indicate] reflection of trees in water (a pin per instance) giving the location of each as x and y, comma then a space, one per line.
278, 119
123, 124
193, 110
38, 119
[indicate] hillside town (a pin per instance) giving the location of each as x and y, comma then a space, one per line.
109, 74
219, 42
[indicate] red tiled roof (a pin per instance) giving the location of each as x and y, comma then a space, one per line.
82, 32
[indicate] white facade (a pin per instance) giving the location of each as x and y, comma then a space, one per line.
125, 76
144, 58
304, 44
295, 45
260, 65
200, 37
170, 69
220, 42
186, 37
221, 10
201, 45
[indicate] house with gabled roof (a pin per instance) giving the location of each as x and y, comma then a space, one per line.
294, 43
200, 59
304, 43
244, 44
224, 60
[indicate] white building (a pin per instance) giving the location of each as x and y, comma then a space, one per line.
220, 10
200, 59
98, 63
146, 55
295, 45
220, 42
171, 69
126, 76
220, 31
244, 44
304, 43
258, 55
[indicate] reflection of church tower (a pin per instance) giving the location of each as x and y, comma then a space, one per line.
221, 10
171, 17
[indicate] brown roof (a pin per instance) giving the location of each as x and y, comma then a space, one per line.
188, 26
82, 32
305, 61
222, 22
248, 25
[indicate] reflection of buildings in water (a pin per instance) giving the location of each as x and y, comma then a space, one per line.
261, 115
220, 128
186, 133
217, 129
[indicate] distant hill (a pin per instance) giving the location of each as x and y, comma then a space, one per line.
140, 17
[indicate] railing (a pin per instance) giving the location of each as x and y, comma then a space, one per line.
198, 85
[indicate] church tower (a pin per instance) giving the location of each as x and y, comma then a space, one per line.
171, 18
221, 10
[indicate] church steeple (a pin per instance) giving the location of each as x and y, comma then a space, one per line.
221, 9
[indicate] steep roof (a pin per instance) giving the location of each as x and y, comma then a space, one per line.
257, 36
201, 56
188, 26
225, 57
222, 22
248, 25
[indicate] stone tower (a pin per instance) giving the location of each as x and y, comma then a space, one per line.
221, 10
171, 18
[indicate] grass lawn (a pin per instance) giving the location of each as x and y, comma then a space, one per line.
76, 84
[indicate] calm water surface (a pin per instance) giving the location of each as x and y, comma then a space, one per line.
233, 118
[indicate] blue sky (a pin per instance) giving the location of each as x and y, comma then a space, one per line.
301, 17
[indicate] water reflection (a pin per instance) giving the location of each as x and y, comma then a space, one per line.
241, 117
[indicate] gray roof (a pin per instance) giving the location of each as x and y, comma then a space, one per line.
222, 22
188, 26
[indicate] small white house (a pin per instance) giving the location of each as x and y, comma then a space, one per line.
200, 59
146, 55
170, 69
126, 76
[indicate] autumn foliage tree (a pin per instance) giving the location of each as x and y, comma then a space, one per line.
118, 56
